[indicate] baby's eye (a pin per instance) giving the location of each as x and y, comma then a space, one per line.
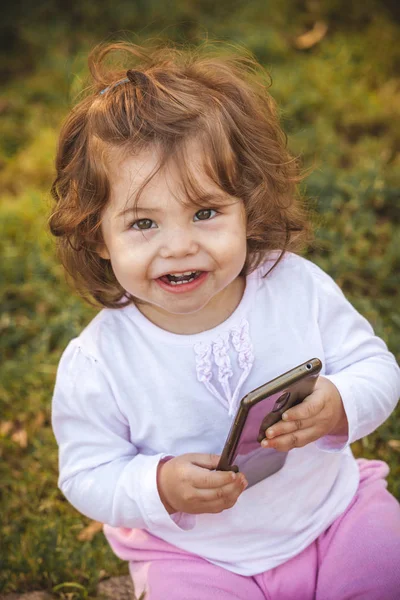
204, 214
143, 224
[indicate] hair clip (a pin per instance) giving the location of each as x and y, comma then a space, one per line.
135, 77
114, 85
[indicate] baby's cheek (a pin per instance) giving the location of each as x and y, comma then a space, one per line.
126, 270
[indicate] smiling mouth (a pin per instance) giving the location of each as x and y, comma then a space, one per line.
181, 278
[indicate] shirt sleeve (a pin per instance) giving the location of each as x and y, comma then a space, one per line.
102, 473
356, 361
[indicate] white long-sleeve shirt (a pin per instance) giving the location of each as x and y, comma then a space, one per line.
129, 393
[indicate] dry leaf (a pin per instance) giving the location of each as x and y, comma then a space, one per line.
47, 504
39, 420
5, 427
394, 444
88, 533
312, 37
20, 437
41, 308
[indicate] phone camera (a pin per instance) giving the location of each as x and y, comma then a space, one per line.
308, 366
281, 402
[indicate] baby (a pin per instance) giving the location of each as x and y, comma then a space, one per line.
176, 210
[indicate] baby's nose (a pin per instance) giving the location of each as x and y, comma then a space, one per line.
177, 243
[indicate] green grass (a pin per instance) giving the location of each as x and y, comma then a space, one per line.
340, 106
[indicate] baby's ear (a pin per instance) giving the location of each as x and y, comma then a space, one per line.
102, 251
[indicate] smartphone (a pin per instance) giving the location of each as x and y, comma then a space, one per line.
258, 410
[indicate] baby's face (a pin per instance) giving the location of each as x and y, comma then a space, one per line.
180, 261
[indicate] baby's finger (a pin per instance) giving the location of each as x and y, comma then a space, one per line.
283, 427
207, 461
218, 499
230, 491
296, 439
205, 479
310, 407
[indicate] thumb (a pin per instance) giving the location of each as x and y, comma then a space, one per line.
207, 461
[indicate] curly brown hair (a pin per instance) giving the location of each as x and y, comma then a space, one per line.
168, 97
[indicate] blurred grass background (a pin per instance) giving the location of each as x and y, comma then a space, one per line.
335, 68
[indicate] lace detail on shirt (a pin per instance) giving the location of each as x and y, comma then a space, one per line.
243, 346
204, 368
217, 353
223, 362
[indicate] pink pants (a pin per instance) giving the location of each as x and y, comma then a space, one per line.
357, 557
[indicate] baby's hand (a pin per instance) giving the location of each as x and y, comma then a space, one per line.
321, 413
187, 484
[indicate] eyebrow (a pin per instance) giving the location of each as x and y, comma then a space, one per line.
205, 200
134, 209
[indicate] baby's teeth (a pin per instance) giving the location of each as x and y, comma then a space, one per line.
180, 282
188, 280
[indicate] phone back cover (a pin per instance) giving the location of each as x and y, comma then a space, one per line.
250, 457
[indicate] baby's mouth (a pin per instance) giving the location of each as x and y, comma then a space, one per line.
180, 278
